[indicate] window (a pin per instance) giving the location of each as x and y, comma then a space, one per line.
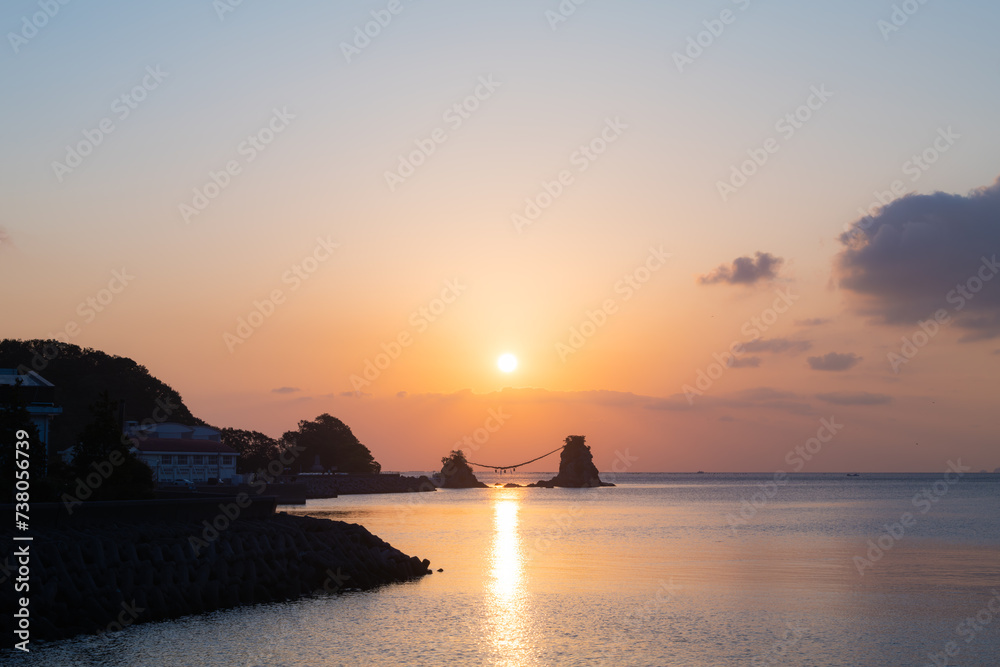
167, 459
196, 460
182, 459
227, 460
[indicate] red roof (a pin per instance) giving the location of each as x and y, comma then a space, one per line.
182, 446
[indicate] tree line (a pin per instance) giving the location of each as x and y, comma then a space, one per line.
104, 467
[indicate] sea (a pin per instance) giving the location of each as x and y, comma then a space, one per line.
662, 569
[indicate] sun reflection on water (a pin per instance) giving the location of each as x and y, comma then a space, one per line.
507, 564
507, 604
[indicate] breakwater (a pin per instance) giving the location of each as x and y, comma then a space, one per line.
100, 574
329, 486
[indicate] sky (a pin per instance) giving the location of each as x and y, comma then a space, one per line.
722, 236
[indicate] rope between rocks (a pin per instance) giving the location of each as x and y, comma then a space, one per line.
517, 465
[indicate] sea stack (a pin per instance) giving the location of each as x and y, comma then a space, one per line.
456, 473
576, 466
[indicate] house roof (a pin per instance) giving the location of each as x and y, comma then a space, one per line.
182, 446
171, 430
10, 376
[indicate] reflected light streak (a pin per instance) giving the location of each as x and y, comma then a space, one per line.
507, 565
506, 596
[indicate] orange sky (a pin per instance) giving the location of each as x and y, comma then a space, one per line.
282, 145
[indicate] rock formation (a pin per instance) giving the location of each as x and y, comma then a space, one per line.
576, 467
456, 473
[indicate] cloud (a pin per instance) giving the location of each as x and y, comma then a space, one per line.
764, 394
755, 399
854, 398
400, 394
812, 322
834, 361
354, 394
746, 362
777, 345
916, 255
6, 241
285, 390
768, 397
744, 270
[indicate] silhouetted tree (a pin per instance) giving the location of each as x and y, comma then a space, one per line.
333, 442
256, 449
14, 417
80, 375
104, 461
456, 459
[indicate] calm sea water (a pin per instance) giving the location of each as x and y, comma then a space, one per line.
660, 570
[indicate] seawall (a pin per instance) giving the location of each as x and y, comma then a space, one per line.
328, 486
99, 573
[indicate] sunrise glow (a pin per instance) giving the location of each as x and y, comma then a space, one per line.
507, 363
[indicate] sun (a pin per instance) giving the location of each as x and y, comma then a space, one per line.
507, 362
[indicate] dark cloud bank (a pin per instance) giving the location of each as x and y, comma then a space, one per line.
923, 253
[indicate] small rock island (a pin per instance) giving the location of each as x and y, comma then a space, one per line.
576, 467
456, 473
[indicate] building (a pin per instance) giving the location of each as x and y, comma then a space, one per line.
39, 395
177, 452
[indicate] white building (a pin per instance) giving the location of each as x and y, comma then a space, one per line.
178, 452
38, 393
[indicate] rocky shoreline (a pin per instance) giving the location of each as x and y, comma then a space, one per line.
106, 575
